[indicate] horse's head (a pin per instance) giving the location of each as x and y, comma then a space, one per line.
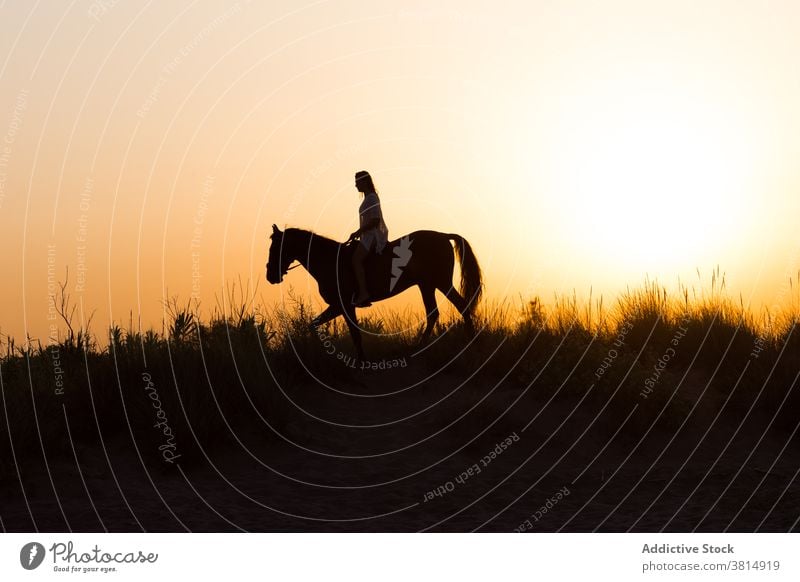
279, 257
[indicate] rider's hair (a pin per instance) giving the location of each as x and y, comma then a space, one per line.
365, 181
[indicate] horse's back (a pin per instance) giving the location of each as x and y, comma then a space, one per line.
420, 237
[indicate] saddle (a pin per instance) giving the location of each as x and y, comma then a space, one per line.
378, 267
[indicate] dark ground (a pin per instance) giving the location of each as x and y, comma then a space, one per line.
701, 453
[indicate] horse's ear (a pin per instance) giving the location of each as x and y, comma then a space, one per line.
275, 229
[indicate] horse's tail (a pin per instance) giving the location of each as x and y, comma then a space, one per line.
471, 275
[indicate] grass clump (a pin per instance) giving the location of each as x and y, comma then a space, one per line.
243, 367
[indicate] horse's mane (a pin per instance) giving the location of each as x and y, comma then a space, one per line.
307, 234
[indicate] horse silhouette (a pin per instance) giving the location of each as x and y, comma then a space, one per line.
424, 258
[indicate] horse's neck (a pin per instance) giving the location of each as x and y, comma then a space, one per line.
319, 255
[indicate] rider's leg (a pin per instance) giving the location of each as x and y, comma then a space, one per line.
359, 255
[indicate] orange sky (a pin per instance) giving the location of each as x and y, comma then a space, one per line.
575, 144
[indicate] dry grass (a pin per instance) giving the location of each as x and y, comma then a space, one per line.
234, 367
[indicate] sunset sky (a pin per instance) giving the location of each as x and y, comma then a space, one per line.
150, 146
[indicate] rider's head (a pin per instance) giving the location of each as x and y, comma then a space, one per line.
364, 182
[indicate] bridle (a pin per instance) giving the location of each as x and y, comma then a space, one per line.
283, 273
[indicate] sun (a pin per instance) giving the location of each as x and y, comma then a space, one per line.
650, 184
652, 191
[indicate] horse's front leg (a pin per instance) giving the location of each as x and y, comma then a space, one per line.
330, 313
355, 331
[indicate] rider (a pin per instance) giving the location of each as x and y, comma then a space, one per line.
372, 233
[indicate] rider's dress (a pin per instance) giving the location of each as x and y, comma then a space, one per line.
374, 238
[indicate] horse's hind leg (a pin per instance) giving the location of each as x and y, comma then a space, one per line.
461, 304
431, 310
